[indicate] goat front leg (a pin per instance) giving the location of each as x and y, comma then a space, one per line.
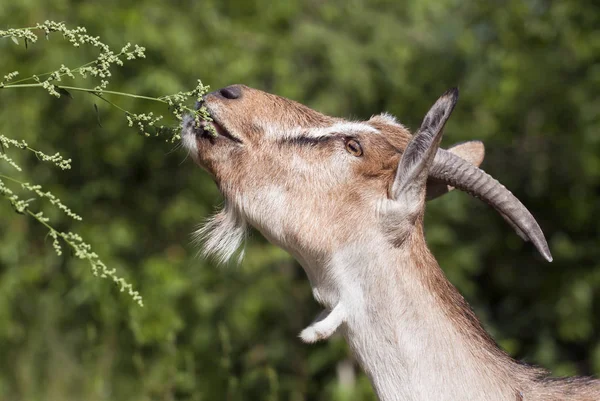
326, 323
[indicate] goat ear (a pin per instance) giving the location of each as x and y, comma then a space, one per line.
471, 151
411, 177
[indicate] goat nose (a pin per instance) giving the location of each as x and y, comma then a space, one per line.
231, 92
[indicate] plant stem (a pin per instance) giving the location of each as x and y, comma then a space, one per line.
48, 226
11, 179
94, 91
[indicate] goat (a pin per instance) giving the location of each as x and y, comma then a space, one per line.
347, 200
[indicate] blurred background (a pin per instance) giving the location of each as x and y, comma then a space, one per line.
529, 73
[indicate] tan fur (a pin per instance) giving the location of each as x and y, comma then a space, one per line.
293, 180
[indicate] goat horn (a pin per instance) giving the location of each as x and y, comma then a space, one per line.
459, 173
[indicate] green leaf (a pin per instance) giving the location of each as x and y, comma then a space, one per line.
14, 39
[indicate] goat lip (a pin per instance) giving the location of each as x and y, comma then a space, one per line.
219, 129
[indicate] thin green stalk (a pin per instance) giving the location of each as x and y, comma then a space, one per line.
11, 179
111, 103
89, 90
62, 75
29, 27
99, 94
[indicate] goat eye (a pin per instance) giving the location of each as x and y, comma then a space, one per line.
353, 147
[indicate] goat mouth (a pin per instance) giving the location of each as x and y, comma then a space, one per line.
207, 129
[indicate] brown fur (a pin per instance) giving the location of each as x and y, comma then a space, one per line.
249, 170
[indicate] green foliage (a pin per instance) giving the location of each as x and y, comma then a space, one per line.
528, 72
81, 249
99, 68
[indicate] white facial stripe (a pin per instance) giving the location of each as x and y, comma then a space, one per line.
340, 128
352, 127
343, 128
273, 131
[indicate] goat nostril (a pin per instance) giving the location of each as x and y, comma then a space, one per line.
231, 92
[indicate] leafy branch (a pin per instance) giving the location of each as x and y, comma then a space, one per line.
100, 69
